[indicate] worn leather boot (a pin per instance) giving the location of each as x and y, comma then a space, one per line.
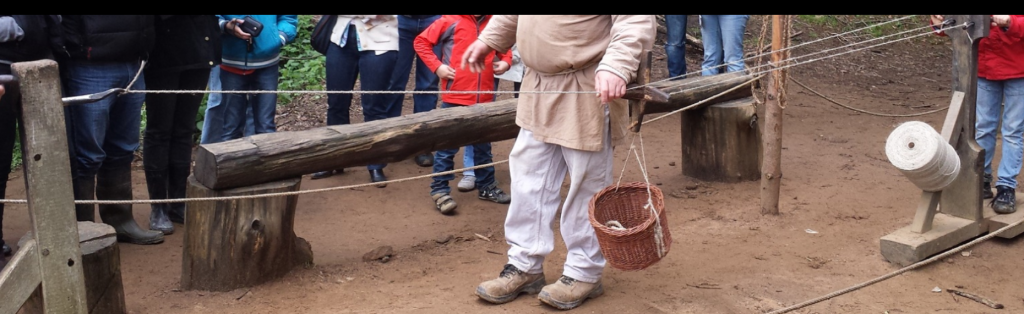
568, 293
85, 190
510, 284
117, 185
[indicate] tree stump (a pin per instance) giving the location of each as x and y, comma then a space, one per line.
240, 243
722, 142
101, 263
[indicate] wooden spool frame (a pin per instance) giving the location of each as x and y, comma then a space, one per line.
963, 215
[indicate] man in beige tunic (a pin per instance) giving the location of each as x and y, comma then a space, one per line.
562, 133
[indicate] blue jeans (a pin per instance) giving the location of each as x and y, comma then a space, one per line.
408, 29
675, 44
444, 161
723, 43
213, 118
1007, 95
263, 106
344, 65
104, 134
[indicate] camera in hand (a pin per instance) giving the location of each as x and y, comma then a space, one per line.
252, 27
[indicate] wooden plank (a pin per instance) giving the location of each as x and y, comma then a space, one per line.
953, 121
20, 278
904, 246
996, 222
926, 210
48, 187
282, 155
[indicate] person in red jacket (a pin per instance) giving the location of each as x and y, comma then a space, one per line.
454, 33
1000, 87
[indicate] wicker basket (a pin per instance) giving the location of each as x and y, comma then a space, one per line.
636, 247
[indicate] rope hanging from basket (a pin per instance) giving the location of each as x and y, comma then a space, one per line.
642, 161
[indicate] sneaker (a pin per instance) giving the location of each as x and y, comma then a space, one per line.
468, 183
510, 284
1005, 201
986, 189
568, 293
495, 195
444, 202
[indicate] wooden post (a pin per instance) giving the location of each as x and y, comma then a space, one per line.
50, 199
771, 178
101, 260
240, 243
722, 142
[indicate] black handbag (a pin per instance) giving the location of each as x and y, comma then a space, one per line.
320, 39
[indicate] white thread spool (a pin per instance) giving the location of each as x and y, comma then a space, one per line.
923, 155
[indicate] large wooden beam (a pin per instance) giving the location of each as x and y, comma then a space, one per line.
275, 156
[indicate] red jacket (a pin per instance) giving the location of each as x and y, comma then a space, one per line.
1001, 54
454, 33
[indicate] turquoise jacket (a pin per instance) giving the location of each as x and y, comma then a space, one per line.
278, 30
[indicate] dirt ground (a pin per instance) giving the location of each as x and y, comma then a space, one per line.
726, 257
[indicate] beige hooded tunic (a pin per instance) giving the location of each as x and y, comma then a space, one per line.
564, 53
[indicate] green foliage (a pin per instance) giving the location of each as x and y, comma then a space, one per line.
16, 159
302, 68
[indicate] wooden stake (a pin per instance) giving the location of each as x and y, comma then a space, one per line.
771, 173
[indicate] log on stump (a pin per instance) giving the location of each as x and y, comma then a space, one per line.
275, 156
722, 142
240, 243
101, 263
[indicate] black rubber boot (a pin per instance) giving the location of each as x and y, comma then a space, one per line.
85, 190
156, 182
177, 185
117, 185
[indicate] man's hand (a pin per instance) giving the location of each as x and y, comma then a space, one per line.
1001, 21
232, 28
1, 91
937, 20
501, 67
474, 56
446, 72
609, 86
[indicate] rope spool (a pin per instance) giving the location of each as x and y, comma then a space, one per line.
923, 155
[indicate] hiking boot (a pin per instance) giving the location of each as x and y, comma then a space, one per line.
444, 203
510, 284
986, 189
568, 293
468, 183
1005, 201
495, 195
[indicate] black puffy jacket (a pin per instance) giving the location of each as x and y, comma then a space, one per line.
185, 42
42, 39
122, 38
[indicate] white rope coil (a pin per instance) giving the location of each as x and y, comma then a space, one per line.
923, 155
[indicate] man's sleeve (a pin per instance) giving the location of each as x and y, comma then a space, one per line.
500, 32
631, 34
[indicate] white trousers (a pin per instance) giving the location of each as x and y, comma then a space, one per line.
537, 172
